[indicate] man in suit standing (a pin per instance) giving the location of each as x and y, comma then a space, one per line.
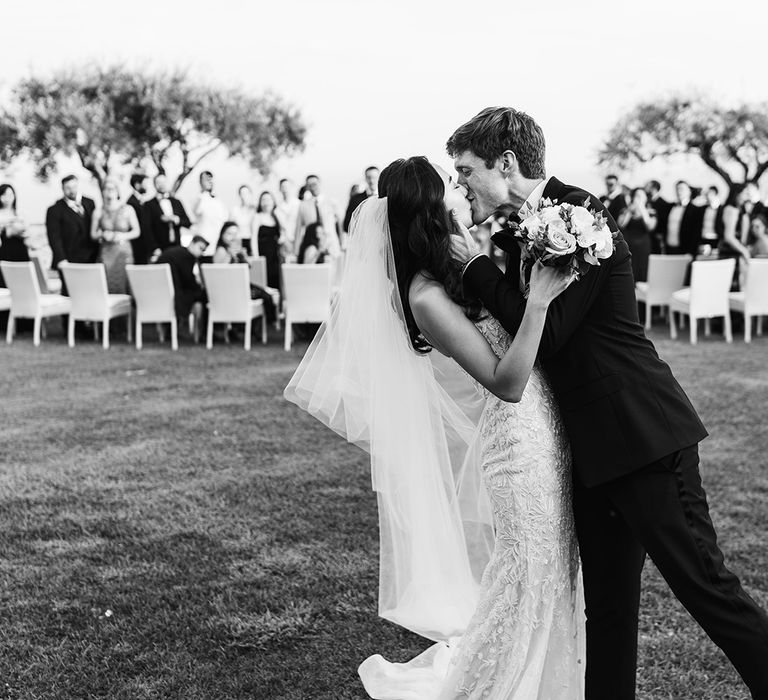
637, 487
614, 200
371, 189
684, 223
68, 225
143, 246
662, 208
164, 216
318, 209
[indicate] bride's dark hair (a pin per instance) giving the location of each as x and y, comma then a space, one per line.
421, 228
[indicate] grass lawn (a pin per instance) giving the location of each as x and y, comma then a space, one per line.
171, 528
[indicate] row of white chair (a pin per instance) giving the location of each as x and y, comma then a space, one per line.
708, 295
307, 287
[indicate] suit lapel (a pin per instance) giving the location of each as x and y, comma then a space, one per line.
552, 189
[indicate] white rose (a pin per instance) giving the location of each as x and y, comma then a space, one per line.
559, 241
550, 214
532, 224
604, 245
581, 220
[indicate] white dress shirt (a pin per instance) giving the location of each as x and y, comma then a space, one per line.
211, 215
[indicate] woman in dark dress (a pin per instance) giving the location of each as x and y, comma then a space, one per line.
313, 248
637, 223
268, 236
13, 230
735, 226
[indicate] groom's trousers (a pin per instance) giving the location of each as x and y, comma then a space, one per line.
660, 509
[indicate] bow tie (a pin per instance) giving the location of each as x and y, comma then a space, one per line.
164, 196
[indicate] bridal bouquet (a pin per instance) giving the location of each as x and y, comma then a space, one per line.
564, 235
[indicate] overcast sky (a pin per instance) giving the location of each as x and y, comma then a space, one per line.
380, 80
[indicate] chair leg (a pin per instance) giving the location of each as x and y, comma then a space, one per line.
727, 327
288, 334
747, 328
174, 334
105, 341
44, 329
9, 329
71, 331
707, 327
36, 330
209, 335
263, 329
647, 316
130, 323
139, 337
247, 341
672, 325
694, 329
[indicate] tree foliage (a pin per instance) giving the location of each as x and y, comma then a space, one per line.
732, 141
109, 115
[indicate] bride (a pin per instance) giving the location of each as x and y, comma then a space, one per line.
469, 457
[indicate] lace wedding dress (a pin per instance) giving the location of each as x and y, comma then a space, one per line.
526, 638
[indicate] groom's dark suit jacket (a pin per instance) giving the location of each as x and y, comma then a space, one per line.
621, 405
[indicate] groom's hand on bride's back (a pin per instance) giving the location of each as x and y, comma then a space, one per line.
463, 246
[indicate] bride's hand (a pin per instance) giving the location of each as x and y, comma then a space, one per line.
547, 283
463, 246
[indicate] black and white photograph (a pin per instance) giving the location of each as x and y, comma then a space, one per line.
391, 350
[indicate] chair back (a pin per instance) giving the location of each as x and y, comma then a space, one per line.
666, 274
42, 277
259, 271
307, 292
710, 284
756, 287
152, 289
21, 280
87, 287
229, 291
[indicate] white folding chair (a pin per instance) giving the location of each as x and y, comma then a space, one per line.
307, 295
27, 301
753, 301
229, 299
152, 290
91, 301
5, 299
706, 298
666, 274
258, 272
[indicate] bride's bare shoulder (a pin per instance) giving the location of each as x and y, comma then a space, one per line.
425, 291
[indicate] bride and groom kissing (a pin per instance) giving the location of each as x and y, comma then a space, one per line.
528, 445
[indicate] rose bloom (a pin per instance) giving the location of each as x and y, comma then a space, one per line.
559, 241
604, 246
531, 225
550, 214
581, 220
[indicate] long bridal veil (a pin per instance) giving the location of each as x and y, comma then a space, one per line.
417, 417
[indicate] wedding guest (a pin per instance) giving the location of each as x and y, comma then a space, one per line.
711, 222
189, 295
288, 210
662, 208
758, 244
735, 219
318, 209
68, 226
228, 251
143, 246
13, 229
753, 203
114, 226
684, 223
267, 236
243, 215
355, 200
637, 223
314, 247
614, 200
164, 217
210, 213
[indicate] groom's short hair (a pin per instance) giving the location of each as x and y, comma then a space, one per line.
499, 129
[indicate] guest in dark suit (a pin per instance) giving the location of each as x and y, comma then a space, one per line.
164, 216
182, 261
614, 200
355, 200
144, 245
662, 208
712, 225
637, 489
68, 224
683, 223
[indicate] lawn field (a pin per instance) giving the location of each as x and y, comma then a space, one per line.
170, 527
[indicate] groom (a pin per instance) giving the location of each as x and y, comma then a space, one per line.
634, 434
